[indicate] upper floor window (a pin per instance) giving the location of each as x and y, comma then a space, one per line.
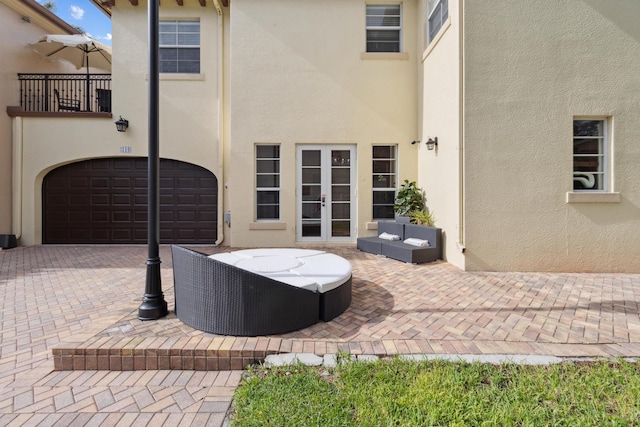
589, 154
384, 181
267, 182
437, 14
179, 47
383, 28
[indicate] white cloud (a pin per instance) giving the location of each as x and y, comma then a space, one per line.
77, 12
107, 37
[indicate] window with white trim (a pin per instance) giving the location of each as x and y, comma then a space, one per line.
179, 46
267, 182
437, 14
589, 154
384, 181
384, 23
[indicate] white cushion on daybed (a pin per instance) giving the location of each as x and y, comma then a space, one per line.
328, 270
293, 279
288, 252
227, 258
303, 268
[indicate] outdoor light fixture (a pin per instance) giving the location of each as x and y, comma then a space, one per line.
415, 142
432, 143
122, 124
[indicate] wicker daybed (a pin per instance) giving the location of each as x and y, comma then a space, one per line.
220, 298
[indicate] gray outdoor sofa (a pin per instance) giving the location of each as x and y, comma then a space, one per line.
220, 298
397, 249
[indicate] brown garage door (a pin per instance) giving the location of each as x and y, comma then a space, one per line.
105, 201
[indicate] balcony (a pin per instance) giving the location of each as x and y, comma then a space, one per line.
65, 93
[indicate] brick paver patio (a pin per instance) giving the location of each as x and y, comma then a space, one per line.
74, 308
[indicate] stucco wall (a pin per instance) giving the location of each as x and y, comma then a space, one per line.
51, 142
188, 102
440, 170
297, 77
17, 57
530, 66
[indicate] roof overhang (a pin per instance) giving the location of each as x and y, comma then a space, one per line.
106, 5
33, 12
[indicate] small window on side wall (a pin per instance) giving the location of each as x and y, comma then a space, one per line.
384, 181
384, 24
589, 154
267, 182
437, 14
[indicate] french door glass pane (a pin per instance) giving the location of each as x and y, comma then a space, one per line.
311, 158
311, 176
340, 228
340, 193
340, 176
311, 192
311, 229
340, 158
310, 210
340, 210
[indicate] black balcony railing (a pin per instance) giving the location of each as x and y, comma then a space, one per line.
65, 92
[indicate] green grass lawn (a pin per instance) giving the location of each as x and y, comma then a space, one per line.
394, 392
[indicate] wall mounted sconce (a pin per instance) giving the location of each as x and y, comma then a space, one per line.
432, 143
415, 142
122, 124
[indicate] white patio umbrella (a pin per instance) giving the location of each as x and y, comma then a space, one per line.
79, 50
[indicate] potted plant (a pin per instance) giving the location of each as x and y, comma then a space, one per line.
410, 198
423, 217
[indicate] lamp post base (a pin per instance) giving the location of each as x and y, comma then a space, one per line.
153, 304
152, 309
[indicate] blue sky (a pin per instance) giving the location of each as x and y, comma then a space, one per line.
84, 14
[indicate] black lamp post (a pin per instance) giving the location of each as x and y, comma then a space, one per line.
153, 304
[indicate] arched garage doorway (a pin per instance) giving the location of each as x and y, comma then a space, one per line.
102, 201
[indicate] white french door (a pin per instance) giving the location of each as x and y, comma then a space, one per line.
326, 193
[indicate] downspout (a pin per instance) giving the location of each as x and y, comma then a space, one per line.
218, 7
461, 136
17, 176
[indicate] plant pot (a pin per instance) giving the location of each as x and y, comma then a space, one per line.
403, 219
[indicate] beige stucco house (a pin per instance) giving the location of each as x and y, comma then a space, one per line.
292, 123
